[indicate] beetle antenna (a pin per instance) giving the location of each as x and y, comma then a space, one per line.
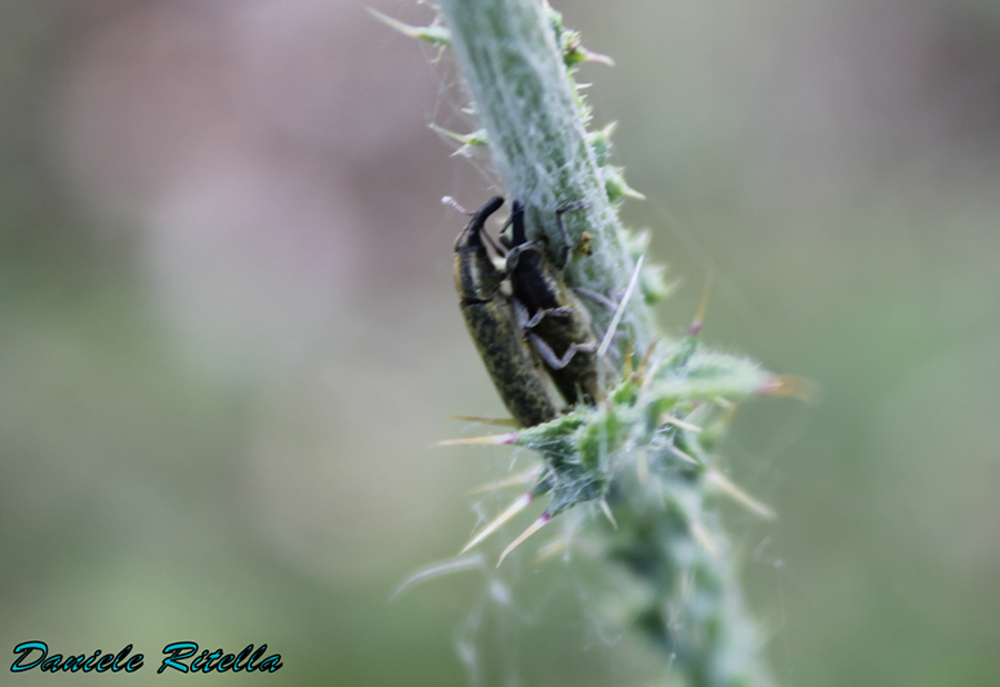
494, 245
452, 203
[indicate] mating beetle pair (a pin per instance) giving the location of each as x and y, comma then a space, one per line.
539, 329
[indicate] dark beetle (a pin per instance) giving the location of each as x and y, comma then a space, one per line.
494, 327
558, 324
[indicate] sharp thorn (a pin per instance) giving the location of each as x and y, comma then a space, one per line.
668, 419
725, 403
437, 35
642, 467
608, 514
632, 193
490, 439
613, 327
498, 522
534, 527
789, 385
591, 56
472, 140
700, 535
723, 485
683, 456
627, 368
703, 305
433, 570
526, 477
641, 370
499, 421
554, 547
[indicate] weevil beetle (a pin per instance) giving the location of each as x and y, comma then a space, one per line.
493, 325
558, 324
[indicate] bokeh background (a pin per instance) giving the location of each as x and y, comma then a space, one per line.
228, 332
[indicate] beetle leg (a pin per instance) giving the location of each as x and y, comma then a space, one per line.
525, 322
564, 311
520, 314
598, 298
550, 357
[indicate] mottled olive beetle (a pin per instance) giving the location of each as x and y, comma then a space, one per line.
558, 324
493, 323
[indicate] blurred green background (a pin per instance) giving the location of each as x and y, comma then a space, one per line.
228, 332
